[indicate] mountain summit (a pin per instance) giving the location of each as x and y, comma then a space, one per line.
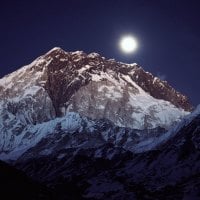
89, 86
60, 82
91, 128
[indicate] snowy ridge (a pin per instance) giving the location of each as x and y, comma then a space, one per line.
111, 124
142, 109
154, 143
59, 83
169, 172
32, 134
78, 131
83, 133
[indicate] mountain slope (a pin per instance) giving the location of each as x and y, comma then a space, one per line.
169, 171
59, 82
91, 128
71, 131
33, 98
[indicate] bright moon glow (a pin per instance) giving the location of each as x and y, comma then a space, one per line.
128, 44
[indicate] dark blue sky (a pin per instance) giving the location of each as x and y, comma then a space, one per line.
168, 32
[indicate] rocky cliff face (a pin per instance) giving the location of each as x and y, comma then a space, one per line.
60, 81
92, 128
78, 69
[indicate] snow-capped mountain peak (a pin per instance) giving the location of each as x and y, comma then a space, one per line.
111, 124
94, 87
59, 82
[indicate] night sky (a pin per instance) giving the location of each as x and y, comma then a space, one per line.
168, 32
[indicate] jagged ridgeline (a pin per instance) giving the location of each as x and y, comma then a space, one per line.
86, 127
57, 83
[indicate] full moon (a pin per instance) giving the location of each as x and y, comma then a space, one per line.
128, 44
